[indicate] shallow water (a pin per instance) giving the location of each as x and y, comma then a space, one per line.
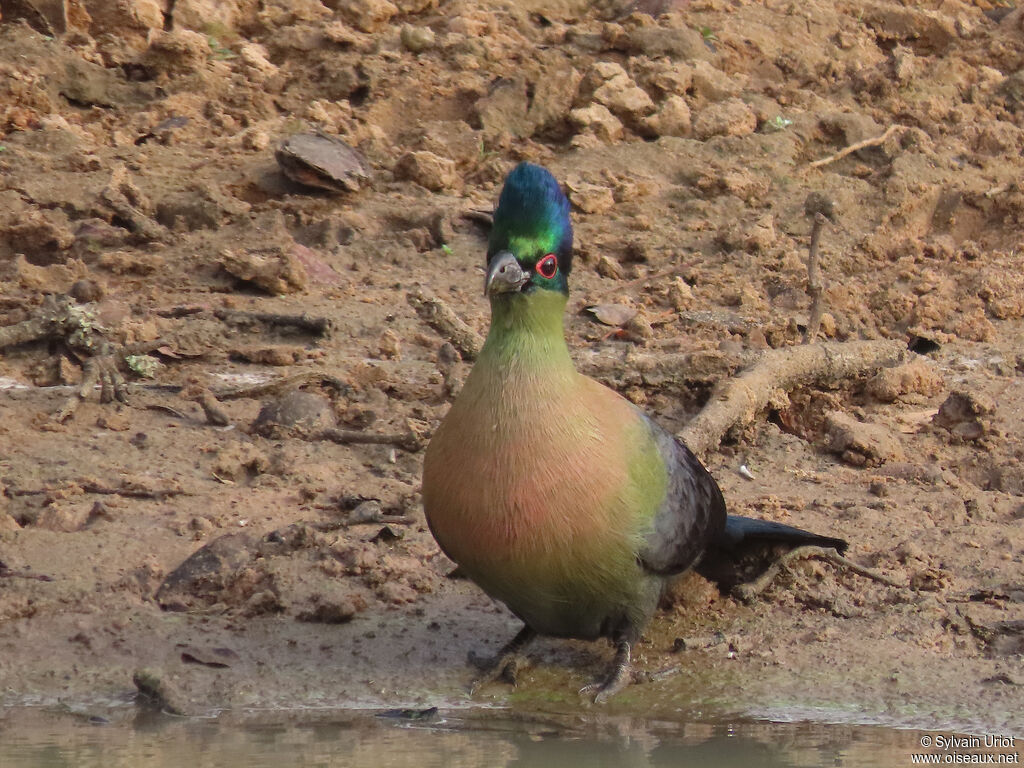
447, 739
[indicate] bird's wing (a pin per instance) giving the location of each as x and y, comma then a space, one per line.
692, 514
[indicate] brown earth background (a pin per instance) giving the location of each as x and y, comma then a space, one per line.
138, 186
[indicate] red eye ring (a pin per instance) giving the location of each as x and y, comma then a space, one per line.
548, 266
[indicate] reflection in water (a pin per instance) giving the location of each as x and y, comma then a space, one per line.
31, 739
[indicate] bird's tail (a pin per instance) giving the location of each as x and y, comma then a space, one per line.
747, 547
742, 531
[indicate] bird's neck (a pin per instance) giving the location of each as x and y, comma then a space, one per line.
527, 335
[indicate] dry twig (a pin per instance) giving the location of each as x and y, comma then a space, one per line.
409, 441
276, 386
748, 592
821, 209
779, 371
877, 141
442, 318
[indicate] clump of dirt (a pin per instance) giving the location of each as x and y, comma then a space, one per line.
141, 190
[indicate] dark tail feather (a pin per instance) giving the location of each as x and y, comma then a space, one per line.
747, 547
743, 531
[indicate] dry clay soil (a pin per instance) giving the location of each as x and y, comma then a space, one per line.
138, 177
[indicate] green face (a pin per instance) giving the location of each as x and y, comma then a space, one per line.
540, 261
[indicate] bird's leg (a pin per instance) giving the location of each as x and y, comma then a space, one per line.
617, 678
505, 664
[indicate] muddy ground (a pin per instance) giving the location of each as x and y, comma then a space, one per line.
139, 187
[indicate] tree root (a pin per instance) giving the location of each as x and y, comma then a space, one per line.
750, 591
779, 371
409, 441
442, 318
873, 142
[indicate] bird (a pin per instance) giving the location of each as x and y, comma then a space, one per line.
553, 493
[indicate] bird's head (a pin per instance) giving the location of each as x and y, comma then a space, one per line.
530, 248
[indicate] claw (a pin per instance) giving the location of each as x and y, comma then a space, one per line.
619, 676
505, 665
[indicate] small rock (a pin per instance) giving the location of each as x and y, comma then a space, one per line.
323, 611
256, 58
672, 119
626, 99
609, 84
505, 110
206, 573
275, 270
255, 140
177, 52
590, 198
683, 43
63, 517
554, 91
609, 267
417, 39
713, 84
428, 170
727, 118
859, 443
86, 291
389, 346
116, 422
128, 262
964, 414
680, 294
297, 410
598, 120
916, 377
367, 15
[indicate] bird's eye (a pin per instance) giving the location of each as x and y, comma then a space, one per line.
548, 266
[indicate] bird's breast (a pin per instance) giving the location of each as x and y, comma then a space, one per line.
528, 474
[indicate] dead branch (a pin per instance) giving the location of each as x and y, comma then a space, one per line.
276, 386
211, 408
103, 490
442, 318
749, 592
821, 209
409, 441
877, 141
779, 371
316, 326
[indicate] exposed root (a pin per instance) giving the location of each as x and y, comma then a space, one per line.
315, 326
276, 386
409, 441
442, 318
750, 591
821, 209
779, 371
215, 415
875, 142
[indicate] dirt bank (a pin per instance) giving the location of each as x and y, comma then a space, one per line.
139, 185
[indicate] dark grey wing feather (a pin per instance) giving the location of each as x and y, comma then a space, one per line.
692, 515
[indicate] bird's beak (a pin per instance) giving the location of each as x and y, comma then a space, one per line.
504, 275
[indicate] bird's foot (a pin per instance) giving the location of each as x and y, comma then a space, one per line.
506, 668
618, 677
506, 665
